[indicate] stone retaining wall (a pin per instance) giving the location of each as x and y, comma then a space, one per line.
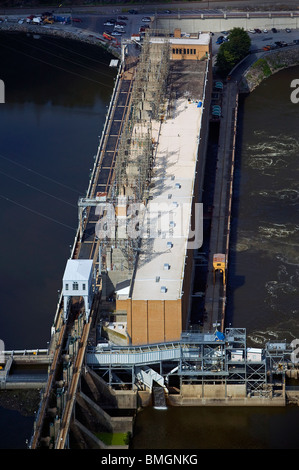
76, 34
267, 65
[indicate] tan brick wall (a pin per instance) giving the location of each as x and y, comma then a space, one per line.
188, 51
152, 321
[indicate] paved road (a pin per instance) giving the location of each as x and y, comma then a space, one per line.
190, 6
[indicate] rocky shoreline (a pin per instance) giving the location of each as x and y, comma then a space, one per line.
25, 402
76, 34
268, 65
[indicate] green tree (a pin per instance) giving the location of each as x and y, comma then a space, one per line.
232, 51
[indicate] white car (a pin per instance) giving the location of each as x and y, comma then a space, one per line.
265, 31
252, 31
146, 19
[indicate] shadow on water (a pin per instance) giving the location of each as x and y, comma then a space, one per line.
235, 281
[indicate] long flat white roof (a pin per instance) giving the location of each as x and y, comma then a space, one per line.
168, 212
203, 38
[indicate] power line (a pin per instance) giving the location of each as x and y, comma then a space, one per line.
57, 66
37, 189
39, 174
66, 59
74, 52
36, 212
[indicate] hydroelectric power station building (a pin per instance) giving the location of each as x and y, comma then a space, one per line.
157, 191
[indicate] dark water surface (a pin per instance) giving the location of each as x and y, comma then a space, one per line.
57, 92
264, 259
54, 112
55, 109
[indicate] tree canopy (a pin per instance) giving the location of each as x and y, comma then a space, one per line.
233, 50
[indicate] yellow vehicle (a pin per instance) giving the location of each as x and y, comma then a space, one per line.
48, 21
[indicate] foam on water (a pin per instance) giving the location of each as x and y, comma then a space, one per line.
273, 151
289, 195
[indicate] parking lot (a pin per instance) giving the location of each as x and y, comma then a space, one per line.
262, 39
124, 25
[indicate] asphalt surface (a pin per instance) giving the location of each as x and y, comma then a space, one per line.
94, 23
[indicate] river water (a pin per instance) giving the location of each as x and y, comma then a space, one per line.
54, 112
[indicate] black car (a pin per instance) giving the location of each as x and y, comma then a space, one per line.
133, 12
274, 30
258, 31
296, 41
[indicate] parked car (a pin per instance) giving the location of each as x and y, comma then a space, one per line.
257, 30
265, 31
123, 18
252, 31
146, 19
296, 41
266, 48
274, 30
133, 12
219, 41
288, 30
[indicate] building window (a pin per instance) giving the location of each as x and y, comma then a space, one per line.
194, 51
83, 286
184, 51
180, 51
75, 286
187, 51
191, 51
173, 51
176, 51
66, 287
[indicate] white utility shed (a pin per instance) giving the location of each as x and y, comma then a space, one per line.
78, 281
